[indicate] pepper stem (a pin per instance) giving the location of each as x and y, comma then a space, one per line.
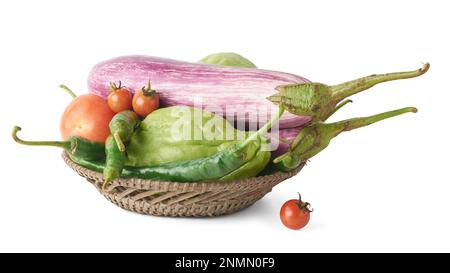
347, 125
106, 182
119, 142
67, 89
60, 144
346, 89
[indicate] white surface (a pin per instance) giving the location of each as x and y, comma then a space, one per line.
381, 188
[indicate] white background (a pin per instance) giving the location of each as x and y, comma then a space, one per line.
380, 188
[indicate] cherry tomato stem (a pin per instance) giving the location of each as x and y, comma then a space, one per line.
148, 91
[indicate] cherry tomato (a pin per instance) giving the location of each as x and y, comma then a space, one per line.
145, 101
295, 213
87, 116
119, 99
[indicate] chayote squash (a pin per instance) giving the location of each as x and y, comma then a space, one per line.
227, 59
179, 133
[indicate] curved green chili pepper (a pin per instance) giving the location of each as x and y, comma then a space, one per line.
207, 168
313, 139
115, 160
250, 169
202, 169
255, 165
122, 126
74, 145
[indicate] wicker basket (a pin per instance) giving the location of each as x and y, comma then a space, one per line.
183, 199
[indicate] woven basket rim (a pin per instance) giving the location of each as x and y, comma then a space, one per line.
171, 185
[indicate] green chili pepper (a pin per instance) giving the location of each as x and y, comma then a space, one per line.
115, 160
255, 165
250, 169
314, 138
74, 145
122, 127
208, 168
94, 165
202, 169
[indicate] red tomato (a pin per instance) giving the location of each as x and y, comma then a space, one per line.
119, 99
145, 101
87, 116
295, 213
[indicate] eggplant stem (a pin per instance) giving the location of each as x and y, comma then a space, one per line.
346, 89
60, 144
67, 89
323, 133
354, 123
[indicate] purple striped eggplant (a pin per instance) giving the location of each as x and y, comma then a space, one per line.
221, 89
235, 92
